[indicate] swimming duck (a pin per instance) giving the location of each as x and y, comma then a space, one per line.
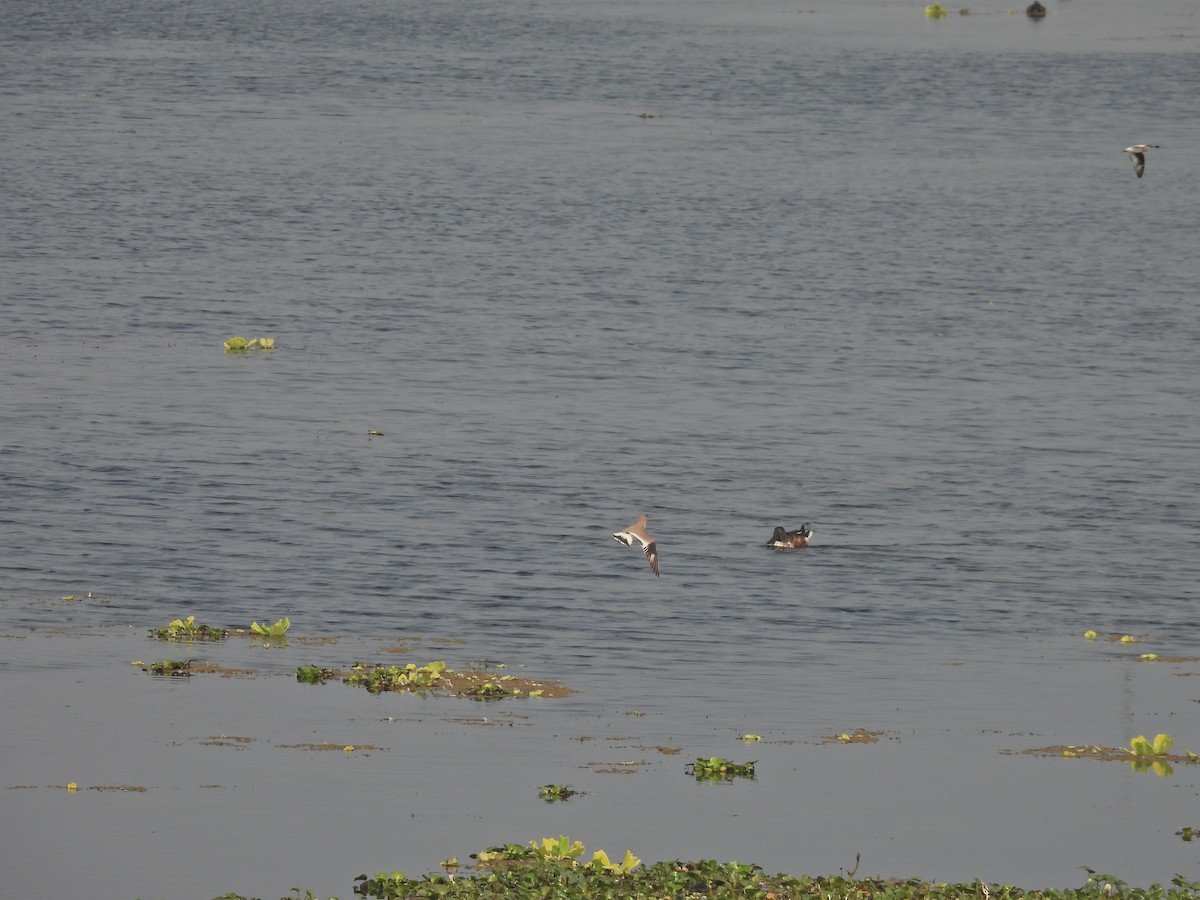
1035, 10
787, 540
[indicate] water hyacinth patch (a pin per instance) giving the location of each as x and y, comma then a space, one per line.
397, 678
188, 630
552, 793
520, 873
314, 674
717, 769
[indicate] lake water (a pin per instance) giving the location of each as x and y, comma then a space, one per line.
728, 265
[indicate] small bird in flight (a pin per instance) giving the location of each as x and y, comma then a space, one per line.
637, 532
1137, 153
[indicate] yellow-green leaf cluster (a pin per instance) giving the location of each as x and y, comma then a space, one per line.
1139, 746
241, 344
278, 630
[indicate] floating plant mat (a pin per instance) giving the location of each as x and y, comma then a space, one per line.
1143, 755
432, 678
1091, 751
857, 736
482, 679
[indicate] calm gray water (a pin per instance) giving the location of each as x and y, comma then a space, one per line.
728, 265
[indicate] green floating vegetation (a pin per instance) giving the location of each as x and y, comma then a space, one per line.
241, 344
314, 674
1141, 754
717, 769
1154, 756
491, 689
174, 667
1188, 833
435, 676
397, 678
560, 850
1139, 746
552, 793
188, 630
274, 632
522, 873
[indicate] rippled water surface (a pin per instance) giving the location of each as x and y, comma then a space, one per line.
728, 265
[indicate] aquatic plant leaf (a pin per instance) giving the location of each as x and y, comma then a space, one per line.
277, 630
558, 848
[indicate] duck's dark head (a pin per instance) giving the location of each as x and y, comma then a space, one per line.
777, 535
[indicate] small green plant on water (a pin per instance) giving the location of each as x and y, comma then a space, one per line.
241, 345
1139, 746
1147, 756
717, 769
555, 792
314, 674
275, 632
1188, 833
487, 690
188, 630
397, 678
935, 11
174, 667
